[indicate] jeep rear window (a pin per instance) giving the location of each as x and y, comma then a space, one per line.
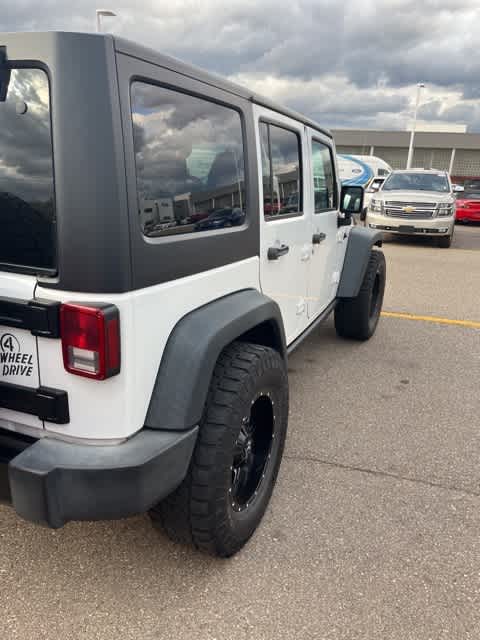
189, 161
27, 212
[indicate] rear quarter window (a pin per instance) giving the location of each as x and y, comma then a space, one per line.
189, 162
27, 209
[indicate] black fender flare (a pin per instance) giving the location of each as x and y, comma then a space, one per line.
193, 348
360, 243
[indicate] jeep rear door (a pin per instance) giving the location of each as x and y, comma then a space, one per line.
27, 233
285, 244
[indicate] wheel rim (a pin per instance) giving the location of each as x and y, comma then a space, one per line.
251, 452
375, 301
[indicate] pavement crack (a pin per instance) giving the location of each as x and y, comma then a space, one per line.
383, 474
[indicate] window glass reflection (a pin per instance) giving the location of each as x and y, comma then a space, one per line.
190, 162
26, 173
323, 178
284, 195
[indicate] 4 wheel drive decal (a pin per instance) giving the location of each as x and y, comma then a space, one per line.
13, 361
9, 343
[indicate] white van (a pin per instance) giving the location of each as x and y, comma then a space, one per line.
360, 170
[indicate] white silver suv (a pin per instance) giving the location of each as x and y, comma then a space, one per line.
415, 202
167, 238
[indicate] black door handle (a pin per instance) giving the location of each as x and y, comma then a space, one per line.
274, 253
317, 238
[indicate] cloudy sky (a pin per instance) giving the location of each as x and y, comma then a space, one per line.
347, 63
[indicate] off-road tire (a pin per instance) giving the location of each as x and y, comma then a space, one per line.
357, 318
200, 511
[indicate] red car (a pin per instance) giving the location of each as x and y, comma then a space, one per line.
468, 207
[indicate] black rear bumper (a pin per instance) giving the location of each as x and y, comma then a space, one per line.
52, 482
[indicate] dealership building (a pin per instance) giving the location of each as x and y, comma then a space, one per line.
453, 150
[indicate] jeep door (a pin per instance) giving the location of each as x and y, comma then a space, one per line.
326, 238
285, 245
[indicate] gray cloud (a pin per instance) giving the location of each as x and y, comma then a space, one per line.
25, 140
167, 126
373, 45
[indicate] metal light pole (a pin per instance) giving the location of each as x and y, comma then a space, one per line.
420, 86
100, 13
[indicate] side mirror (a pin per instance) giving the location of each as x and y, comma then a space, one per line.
351, 202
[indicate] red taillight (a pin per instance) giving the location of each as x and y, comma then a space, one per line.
90, 340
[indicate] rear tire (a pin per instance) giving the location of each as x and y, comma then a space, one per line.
237, 456
357, 318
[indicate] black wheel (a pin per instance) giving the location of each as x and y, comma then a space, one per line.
237, 456
358, 317
445, 242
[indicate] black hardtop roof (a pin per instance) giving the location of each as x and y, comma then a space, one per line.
150, 55
136, 50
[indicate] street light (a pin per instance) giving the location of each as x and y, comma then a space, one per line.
100, 13
420, 86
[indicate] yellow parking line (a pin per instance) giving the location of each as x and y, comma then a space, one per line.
471, 324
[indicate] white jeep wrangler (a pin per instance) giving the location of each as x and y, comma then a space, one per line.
167, 238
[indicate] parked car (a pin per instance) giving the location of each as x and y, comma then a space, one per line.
471, 185
271, 206
415, 202
146, 372
221, 219
468, 206
373, 186
196, 217
291, 203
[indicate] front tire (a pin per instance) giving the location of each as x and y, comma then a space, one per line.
237, 456
445, 242
357, 318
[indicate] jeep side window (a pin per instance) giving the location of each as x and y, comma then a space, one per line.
282, 185
324, 184
189, 161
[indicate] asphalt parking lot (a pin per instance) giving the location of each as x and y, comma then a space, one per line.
374, 528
